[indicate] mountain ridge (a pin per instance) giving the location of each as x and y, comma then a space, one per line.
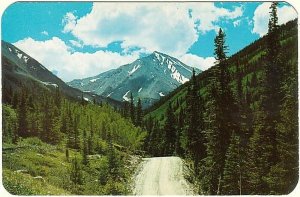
148, 78
19, 68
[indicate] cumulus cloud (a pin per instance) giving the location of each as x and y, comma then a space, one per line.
69, 22
76, 43
168, 27
198, 62
56, 55
261, 17
207, 14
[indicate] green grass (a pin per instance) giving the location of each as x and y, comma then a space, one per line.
35, 168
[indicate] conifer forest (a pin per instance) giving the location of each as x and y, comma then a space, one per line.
234, 126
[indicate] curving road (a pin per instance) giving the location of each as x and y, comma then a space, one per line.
161, 176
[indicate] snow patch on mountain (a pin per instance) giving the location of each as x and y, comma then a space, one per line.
125, 96
50, 84
25, 58
109, 94
135, 68
161, 94
19, 55
93, 80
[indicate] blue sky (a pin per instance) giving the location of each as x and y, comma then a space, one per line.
82, 39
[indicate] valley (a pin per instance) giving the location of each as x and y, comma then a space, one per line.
156, 126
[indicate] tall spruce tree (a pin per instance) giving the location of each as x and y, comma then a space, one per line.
132, 109
225, 101
273, 81
211, 170
23, 113
170, 131
85, 160
76, 172
139, 113
194, 120
232, 175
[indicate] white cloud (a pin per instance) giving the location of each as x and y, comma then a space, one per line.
69, 22
76, 43
166, 27
236, 22
198, 62
207, 14
44, 33
56, 55
261, 17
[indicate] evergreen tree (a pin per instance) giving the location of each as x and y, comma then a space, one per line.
283, 176
211, 170
232, 176
126, 110
132, 109
180, 129
220, 47
113, 163
139, 113
257, 158
67, 154
85, 160
194, 121
23, 112
273, 76
226, 104
57, 97
170, 131
76, 173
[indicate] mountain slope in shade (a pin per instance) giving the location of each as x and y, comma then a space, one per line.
148, 78
18, 69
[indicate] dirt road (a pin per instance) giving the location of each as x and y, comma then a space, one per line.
161, 176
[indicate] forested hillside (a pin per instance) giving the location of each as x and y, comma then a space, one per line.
52, 145
238, 121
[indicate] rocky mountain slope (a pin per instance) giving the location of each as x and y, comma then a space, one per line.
148, 78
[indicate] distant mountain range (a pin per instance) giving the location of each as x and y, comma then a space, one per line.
148, 78
19, 69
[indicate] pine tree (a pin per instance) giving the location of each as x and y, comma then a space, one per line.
232, 175
85, 160
273, 80
76, 173
220, 47
132, 109
23, 113
211, 170
180, 129
113, 163
67, 154
139, 113
225, 101
194, 121
170, 131
57, 97
257, 163
283, 176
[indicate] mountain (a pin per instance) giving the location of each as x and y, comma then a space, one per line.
238, 116
148, 78
250, 60
19, 69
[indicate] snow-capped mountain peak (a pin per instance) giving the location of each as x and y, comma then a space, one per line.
148, 78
